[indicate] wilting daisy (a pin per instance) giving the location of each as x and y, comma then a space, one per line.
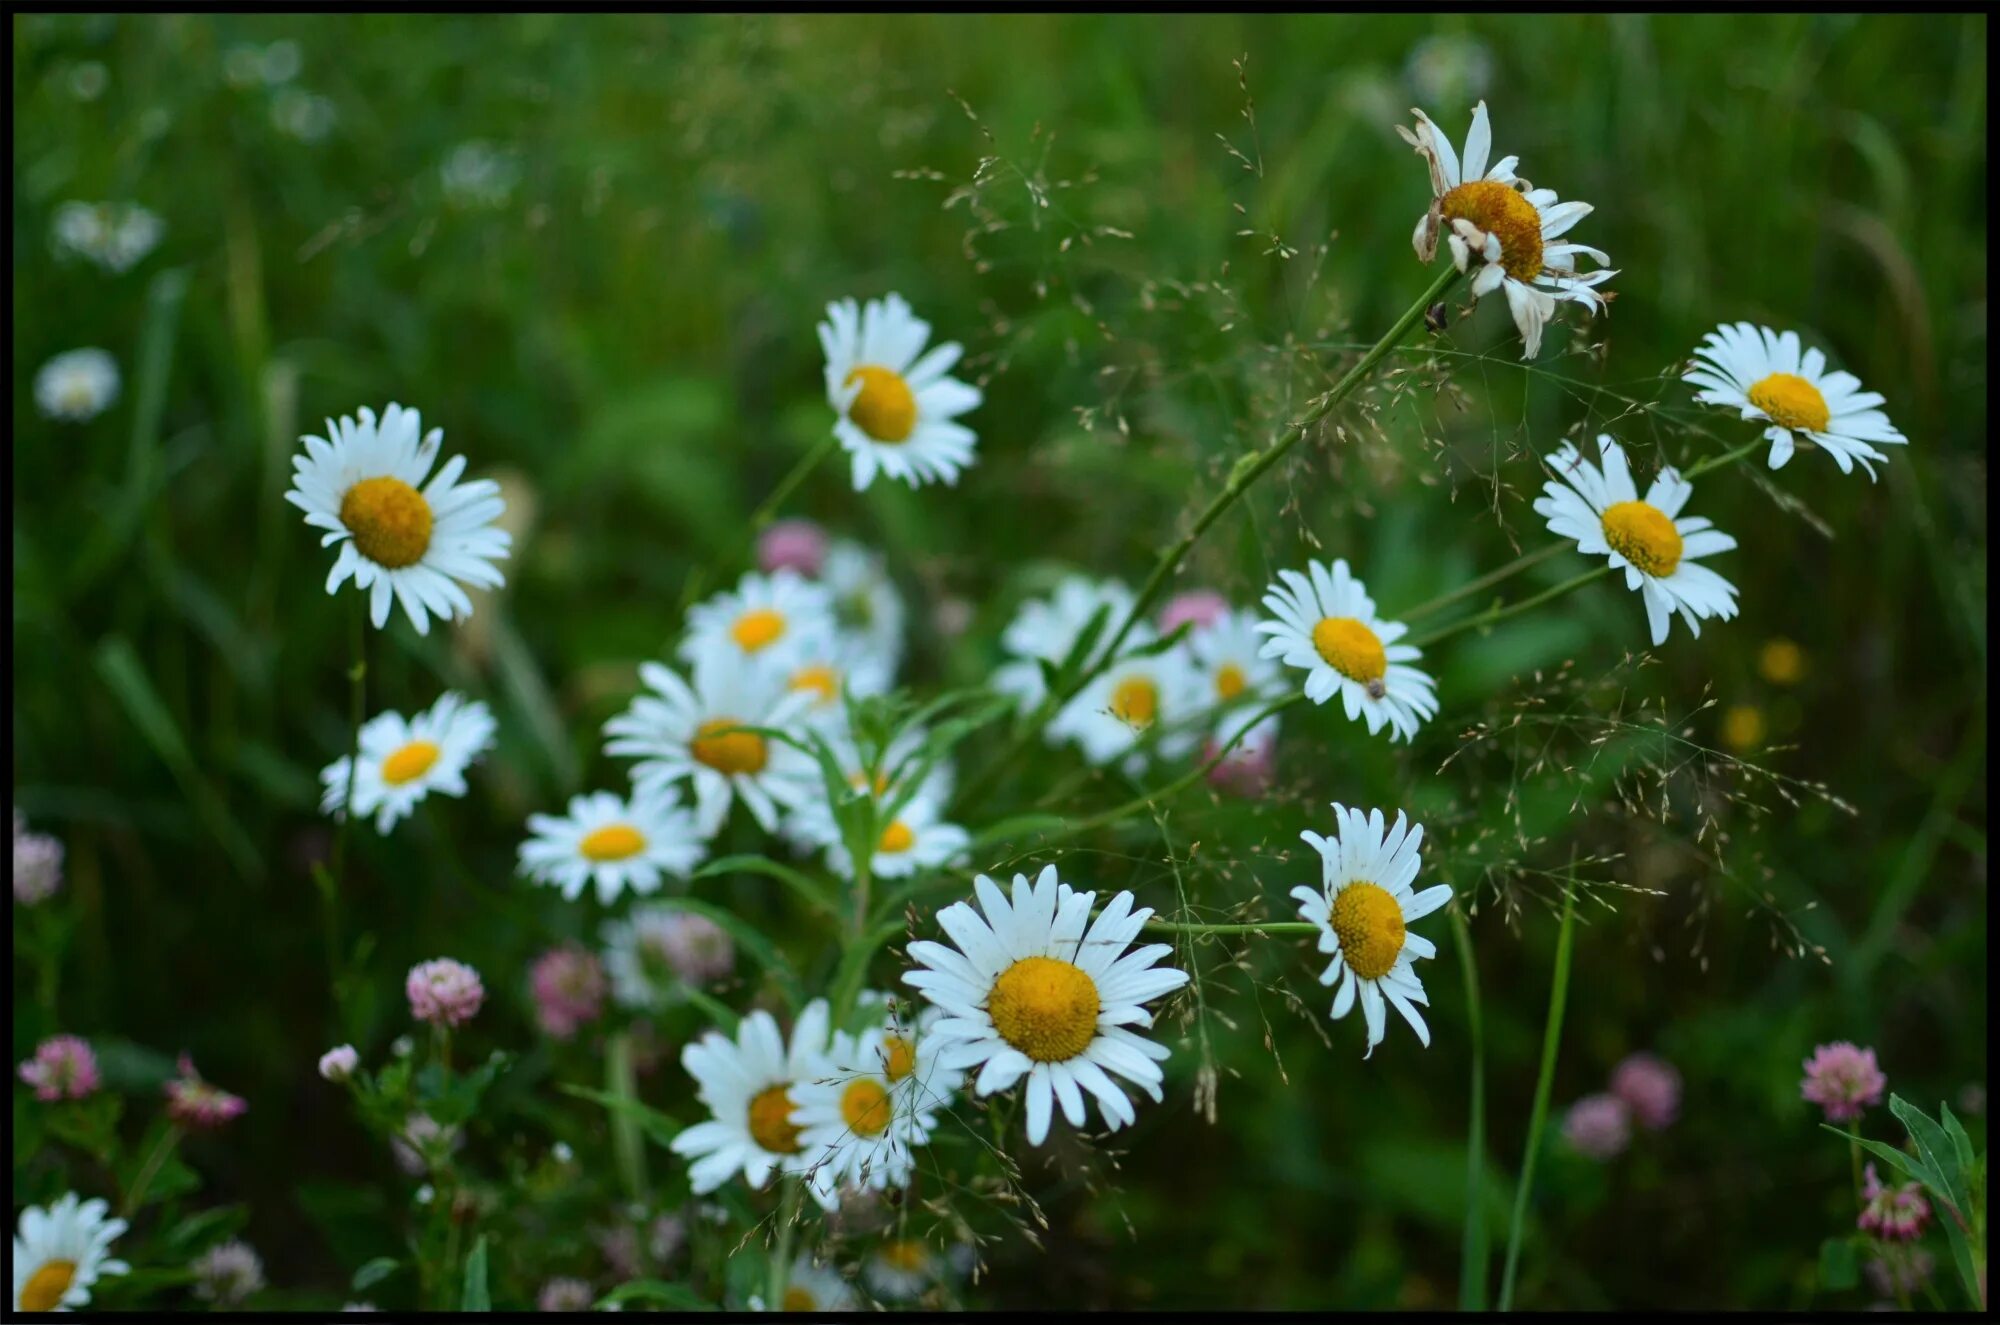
360, 484
1326, 624
898, 772
914, 839
697, 734
896, 410
1363, 907
1766, 375
1601, 510
1046, 630
1153, 696
761, 620
1502, 230
1028, 991
866, 603
658, 948
613, 843
59, 1252
857, 1127
77, 385
832, 667
403, 761
747, 1084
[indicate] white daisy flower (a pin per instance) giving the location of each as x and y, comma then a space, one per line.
613, 843
1603, 513
1045, 630
1326, 624
866, 602
830, 667
1235, 675
1028, 992
859, 1129
77, 385
1141, 696
916, 840
761, 621
910, 1049
814, 823
900, 1270
896, 410
361, 486
1766, 375
748, 1084
1363, 908
113, 235
811, 1286
404, 761
60, 1251
1502, 230
696, 734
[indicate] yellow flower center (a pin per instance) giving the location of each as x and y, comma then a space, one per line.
729, 751
1499, 209
1743, 727
899, 1057
865, 1107
612, 842
1792, 402
820, 678
859, 781
409, 763
1045, 1008
1781, 661
1643, 535
1351, 649
896, 837
1135, 701
799, 1299
886, 409
771, 1124
76, 395
905, 1254
390, 521
1229, 681
46, 1286
1369, 923
757, 628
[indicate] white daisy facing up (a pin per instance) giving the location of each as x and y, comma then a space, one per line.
1503, 231
403, 761
360, 483
1602, 511
1142, 697
896, 411
1045, 630
1766, 375
866, 603
747, 1084
1363, 907
854, 1123
617, 845
1035, 989
760, 622
915, 839
77, 385
1326, 624
698, 734
60, 1251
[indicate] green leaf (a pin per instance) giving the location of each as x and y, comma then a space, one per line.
1961, 1146
1935, 1147
1901, 1161
476, 1298
658, 1127
797, 880
374, 1272
1839, 1266
677, 1297
202, 1228
91, 1125
1961, 1256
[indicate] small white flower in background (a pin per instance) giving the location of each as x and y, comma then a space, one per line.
900, 1269
1767, 375
813, 822
896, 410
1602, 511
1502, 231
914, 839
1152, 698
60, 1251
478, 174
227, 1273
811, 1286
403, 761
281, 62
113, 235
854, 1123
1236, 676
831, 667
1046, 629
1448, 67
1035, 989
616, 844
306, 116
338, 1063
747, 1085
88, 79
697, 734
360, 483
657, 948
1326, 625
866, 604
1363, 907
763, 621
38, 862
77, 385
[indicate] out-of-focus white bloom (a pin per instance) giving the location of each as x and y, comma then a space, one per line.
77, 385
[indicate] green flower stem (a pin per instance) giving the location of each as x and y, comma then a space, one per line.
766, 510
1544, 1081
781, 1259
164, 1147
1494, 615
1700, 467
1472, 1248
621, 1080
1526, 561
357, 712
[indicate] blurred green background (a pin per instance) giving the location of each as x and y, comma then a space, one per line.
607, 300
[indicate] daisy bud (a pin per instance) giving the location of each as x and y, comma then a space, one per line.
444, 992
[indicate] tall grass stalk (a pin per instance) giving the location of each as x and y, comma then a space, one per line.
1544, 1080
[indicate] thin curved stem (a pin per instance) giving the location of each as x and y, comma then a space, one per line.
1258, 927
1473, 1246
1544, 1082
766, 510
1526, 561
1500, 612
357, 712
